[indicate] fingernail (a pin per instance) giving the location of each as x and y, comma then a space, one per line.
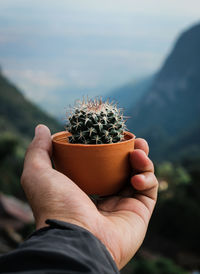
38, 129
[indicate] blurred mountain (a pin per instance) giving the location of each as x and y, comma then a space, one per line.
129, 94
18, 118
187, 145
168, 115
18, 115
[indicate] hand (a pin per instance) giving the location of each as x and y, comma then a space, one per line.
119, 222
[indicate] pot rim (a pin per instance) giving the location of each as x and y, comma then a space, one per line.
64, 142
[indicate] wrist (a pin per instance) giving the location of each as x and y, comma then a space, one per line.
45, 221
68, 222
42, 221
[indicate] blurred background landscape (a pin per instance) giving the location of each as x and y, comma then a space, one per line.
145, 56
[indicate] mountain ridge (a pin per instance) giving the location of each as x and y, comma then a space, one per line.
129, 94
171, 107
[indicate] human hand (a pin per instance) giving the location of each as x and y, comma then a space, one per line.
119, 222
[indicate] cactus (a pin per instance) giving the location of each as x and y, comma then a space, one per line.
95, 122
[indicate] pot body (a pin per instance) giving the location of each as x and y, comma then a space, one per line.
100, 169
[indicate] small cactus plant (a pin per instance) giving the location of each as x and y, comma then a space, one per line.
95, 122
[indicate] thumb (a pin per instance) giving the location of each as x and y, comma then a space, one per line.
39, 151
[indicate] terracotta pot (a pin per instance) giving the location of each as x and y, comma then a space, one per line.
100, 169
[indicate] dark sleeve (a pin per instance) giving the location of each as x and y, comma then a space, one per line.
59, 248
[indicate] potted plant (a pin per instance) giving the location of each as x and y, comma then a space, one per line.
94, 151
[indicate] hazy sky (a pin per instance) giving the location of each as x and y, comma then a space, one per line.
67, 46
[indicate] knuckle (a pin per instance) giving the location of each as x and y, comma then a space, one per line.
35, 164
151, 166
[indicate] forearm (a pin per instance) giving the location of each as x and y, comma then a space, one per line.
59, 248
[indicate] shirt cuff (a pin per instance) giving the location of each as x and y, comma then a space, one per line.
84, 235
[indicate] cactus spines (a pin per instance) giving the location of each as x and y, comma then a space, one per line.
95, 122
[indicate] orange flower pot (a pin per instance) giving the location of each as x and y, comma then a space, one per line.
100, 169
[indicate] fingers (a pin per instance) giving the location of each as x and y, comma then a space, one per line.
140, 162
142, 144
146, 189
38, 153
145, 182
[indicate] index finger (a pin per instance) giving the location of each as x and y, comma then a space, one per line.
140, 161
142, 144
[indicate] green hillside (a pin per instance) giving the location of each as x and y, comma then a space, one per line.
18, 118
18, 115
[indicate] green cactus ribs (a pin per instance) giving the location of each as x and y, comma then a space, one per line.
93, 121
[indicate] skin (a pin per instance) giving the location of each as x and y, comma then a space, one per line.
119, 222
